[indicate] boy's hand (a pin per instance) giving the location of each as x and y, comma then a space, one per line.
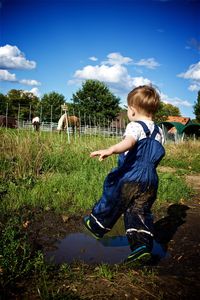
102, 154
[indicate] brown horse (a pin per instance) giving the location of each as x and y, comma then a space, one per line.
9, 122
68, 121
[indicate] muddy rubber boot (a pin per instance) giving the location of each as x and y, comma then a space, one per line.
139, 256
87, 224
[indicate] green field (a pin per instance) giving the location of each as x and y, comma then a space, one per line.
43, 171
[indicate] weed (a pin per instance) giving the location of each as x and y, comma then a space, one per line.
15, 252
184, 155
172, 188
104, 270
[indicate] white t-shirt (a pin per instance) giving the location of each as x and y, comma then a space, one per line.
136, 130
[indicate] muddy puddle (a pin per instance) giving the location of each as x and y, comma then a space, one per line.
81, 246
114, 248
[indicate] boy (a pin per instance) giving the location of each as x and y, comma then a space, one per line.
131, 188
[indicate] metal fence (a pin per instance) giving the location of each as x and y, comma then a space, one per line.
86, 129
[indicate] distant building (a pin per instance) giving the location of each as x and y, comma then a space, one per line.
182, 120
180, 128
121, 120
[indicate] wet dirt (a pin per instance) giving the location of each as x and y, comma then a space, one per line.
177, 249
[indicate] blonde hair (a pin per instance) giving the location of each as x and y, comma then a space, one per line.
145, 98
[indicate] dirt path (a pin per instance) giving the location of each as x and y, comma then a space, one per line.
179, 273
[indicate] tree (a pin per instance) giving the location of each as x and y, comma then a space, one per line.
51, 106
165, 110
95, 100
21, 104
197, 108
3, 104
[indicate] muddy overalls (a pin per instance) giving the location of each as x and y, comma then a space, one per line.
131, 189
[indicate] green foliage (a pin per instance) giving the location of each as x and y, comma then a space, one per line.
48, 172
172, 188
21, 104
165, 110
96, 99
50, 106
105, 271
3, 104
197, 108
45, 171
184, 156
15, 251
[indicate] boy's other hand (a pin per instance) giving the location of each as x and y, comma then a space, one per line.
101, 153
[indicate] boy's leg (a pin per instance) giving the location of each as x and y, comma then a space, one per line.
139, 228
104, 215
114, 201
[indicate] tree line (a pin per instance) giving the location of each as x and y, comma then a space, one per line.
93, 99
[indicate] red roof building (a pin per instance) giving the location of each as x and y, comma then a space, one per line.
182, 120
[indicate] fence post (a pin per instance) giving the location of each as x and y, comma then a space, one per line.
51, 118
18, 115
6, 116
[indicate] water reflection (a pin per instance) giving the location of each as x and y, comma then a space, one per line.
81, 246
114, 248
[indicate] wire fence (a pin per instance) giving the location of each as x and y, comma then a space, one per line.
86, 129
89, 125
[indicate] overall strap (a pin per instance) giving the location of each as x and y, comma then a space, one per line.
145, 128
155, 132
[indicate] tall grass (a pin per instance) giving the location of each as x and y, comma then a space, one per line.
45, 170
185, 155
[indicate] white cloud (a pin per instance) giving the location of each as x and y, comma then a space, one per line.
114, 72
116, 58
174, 101
7, 76
93, 58
35, 91
194, 87
12, 58
137, 81
192, 73
116, 76
103, 73
149, 63
30, 82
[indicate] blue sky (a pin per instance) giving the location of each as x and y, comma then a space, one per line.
54, 45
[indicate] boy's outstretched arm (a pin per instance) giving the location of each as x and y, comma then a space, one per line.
121, 147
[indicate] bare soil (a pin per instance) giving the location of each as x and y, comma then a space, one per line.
175, 277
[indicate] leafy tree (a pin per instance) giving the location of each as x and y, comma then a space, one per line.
3, 104
51, 106
94, 99
22, 104
197, 108
166, 110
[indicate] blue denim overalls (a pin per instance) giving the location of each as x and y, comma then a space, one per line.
131, 189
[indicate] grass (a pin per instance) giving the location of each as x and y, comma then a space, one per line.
45, 171
184, 156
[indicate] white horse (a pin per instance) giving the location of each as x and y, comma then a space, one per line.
66, 121
36, 123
